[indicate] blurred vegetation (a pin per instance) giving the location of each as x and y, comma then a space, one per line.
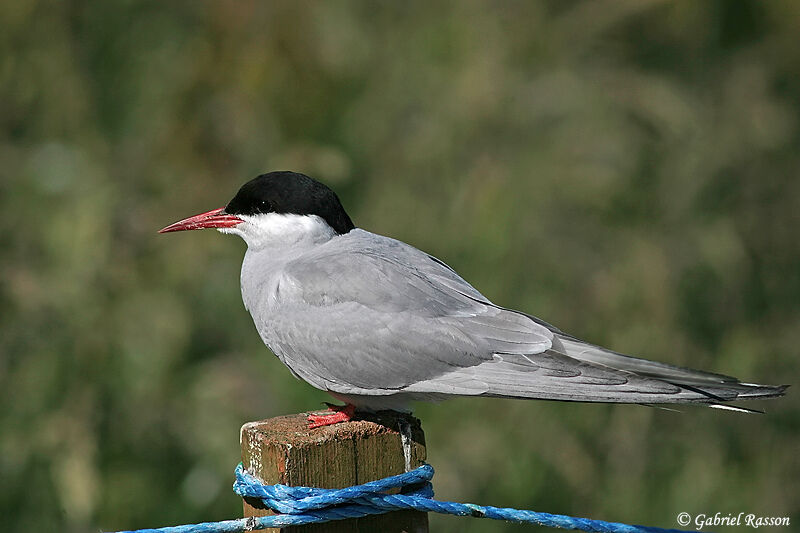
627, 170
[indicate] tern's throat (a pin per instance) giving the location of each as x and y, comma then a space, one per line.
281, 230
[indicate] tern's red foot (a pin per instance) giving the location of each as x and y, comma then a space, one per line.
339, 413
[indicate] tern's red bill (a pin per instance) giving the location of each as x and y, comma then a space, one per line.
216, 218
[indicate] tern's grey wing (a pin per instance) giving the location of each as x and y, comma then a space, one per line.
371, 315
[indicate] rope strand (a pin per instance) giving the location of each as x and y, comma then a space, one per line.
306, 505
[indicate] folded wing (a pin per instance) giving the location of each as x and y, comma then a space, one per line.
375, 316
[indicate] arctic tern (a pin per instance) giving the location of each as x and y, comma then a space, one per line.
378, 323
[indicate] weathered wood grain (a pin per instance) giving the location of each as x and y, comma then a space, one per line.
283, 450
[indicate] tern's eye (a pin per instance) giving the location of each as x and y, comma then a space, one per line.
265, 206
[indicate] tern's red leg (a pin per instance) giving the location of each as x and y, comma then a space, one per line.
339, 413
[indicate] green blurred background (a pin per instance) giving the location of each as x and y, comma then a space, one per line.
627, 170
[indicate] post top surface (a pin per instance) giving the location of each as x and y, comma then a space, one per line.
293, 429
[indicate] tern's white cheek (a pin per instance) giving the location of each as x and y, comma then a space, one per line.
278, 230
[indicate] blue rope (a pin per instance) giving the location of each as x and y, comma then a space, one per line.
305, 505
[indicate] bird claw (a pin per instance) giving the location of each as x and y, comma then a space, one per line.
339, 413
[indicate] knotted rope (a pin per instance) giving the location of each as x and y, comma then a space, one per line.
305, 505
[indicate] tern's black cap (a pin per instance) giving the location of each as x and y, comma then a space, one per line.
290, 193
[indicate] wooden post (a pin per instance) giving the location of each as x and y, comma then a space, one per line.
283, 450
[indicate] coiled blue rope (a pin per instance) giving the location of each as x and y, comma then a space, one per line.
304, 505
